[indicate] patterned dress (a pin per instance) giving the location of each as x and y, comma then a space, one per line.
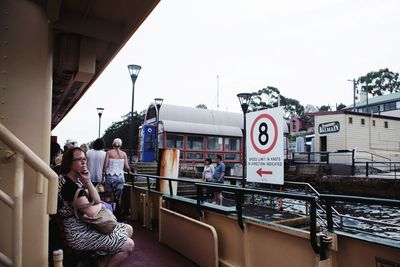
80, 235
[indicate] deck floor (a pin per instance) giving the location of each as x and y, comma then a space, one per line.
150, 253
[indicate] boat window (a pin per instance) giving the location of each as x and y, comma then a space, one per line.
174, 141
214, 143
232, 144
195, 142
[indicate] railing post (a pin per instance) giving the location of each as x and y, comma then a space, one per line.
329, 217
309, 157
353, 162
18, 210
367, 168
327, 158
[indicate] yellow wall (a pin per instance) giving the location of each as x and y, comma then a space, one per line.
25, 108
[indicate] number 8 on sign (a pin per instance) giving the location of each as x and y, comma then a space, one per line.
264, 126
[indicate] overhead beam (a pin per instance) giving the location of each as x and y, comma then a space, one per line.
94, 28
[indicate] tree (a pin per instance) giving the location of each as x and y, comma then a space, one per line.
310, 109
268, 98
380, 82
121, 129
324, 108
340, 106
202, 106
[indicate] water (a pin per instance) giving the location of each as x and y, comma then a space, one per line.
376, 221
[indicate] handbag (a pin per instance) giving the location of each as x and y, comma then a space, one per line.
104, 221
100, 188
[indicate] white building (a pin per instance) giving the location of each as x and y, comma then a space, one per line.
388, 105
346, 130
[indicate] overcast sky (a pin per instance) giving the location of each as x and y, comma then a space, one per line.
307, 49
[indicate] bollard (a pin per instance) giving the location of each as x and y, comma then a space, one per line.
58, 256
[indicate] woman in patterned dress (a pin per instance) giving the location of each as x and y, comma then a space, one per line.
80, 235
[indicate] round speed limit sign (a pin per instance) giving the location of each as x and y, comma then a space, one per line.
264, 133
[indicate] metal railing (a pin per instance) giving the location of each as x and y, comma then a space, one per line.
23, 154
320, 157
329, 200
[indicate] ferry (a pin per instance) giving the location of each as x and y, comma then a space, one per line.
51, 53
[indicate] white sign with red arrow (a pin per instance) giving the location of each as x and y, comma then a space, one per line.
264, 144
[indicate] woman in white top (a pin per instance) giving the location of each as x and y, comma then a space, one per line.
208, 174
115, 163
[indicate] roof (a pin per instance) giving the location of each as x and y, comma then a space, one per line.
377, 100
87, 36
201, 116
200, 128
357, 114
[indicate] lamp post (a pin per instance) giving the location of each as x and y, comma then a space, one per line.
158, 102
133, 72
100, 112
244, 99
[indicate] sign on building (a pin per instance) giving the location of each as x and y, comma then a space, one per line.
329, 127
264, 144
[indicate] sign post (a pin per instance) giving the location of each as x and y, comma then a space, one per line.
265, 146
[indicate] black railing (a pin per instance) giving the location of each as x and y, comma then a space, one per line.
379, 168
320, 157
315, 200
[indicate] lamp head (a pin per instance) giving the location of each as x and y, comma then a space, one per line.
100, 111
244, 99
158, 102
134, 71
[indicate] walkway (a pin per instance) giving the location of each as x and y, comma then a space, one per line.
150, 253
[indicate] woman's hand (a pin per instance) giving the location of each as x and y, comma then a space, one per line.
84, 176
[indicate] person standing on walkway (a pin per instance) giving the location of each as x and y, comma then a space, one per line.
219, 175
208, 175
96, 158
115, 163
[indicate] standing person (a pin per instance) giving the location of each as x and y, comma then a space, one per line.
96, 158
219, 175
208, 174
85, 148
80, 235
115, 163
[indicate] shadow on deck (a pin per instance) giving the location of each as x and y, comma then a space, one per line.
150, 253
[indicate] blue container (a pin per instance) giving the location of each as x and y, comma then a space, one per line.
148, 143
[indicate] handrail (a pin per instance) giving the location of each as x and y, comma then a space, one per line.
36, 163
330, 199
373, 154
239, 193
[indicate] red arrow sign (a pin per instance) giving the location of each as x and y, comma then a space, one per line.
261, 172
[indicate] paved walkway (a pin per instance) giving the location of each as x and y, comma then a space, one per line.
150, 253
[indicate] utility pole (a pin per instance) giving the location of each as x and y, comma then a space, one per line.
217, 92
354, 93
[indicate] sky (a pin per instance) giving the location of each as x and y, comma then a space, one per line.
307, 49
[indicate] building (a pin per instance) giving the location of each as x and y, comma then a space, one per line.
345, 130
388, 105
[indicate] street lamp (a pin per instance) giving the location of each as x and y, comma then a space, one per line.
158, 102
100, 112
133, 72
244, 99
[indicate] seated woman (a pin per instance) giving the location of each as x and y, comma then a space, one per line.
80, 235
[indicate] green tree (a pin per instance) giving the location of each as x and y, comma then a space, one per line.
380, 82
324, 108
120, 129
202, 106
310, 108
268, 98
340, 106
